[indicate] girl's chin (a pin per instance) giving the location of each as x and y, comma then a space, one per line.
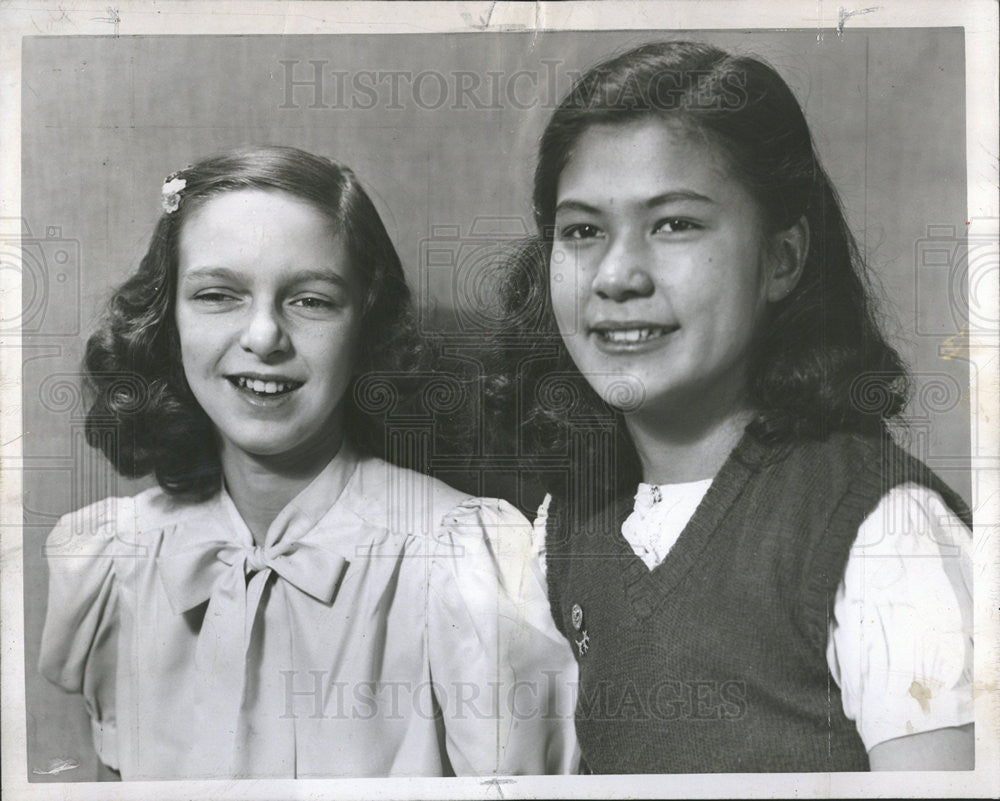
625, 393
282, 451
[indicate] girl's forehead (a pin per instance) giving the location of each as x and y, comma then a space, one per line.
261, 233
246, 204
257, 218
641, 155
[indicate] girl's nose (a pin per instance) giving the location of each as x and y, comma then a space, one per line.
623, 273
264, 334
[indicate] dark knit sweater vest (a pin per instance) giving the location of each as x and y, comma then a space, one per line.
716, 660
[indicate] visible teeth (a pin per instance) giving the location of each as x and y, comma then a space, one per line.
264, 387
631, 335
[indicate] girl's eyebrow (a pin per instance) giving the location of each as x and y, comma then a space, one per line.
576, 205
674, 196
677, 196
318, 275
298, 276
220, 273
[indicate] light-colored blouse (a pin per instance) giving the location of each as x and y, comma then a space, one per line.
389, 626
899, 641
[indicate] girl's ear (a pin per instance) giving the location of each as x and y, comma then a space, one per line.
789, 249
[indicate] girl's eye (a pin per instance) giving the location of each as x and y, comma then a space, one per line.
675, 225
313, 302
580, 231
214, 296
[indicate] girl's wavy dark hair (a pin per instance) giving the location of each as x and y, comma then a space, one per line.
143, 416
822, 363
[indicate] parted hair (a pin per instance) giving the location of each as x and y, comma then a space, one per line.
142, 414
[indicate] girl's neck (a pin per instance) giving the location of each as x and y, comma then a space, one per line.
261, 486
692, 445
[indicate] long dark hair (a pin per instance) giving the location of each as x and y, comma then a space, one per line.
143, 416
821, 346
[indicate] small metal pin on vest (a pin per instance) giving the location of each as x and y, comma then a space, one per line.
576, 618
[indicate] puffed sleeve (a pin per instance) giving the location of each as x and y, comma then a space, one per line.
504, 677
79, 641
900, 641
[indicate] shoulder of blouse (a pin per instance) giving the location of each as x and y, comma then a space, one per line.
486, 603
398, 499
82, 530
483, 544
118, 521
917, 588
84, 554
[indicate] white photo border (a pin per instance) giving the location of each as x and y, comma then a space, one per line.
978, 18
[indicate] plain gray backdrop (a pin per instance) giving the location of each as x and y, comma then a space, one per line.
441, 129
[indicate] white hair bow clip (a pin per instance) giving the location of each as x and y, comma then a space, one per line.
171, 193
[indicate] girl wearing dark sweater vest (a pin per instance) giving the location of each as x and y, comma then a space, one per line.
751, 574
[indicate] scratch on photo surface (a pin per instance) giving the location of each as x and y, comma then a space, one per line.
843, 15
483, 22
8, 442
497, 782
57, 765
111, 16
489, 15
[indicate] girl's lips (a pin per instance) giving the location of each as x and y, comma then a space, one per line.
268, 386
265, 388
631, 338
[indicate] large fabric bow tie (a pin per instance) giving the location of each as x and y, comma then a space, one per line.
214, 565
208, 561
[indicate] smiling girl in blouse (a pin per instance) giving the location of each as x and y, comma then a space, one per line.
284, 603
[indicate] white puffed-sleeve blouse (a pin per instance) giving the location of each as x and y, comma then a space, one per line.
389, 626
899, 641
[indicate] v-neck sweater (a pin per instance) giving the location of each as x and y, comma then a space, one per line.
716, 660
